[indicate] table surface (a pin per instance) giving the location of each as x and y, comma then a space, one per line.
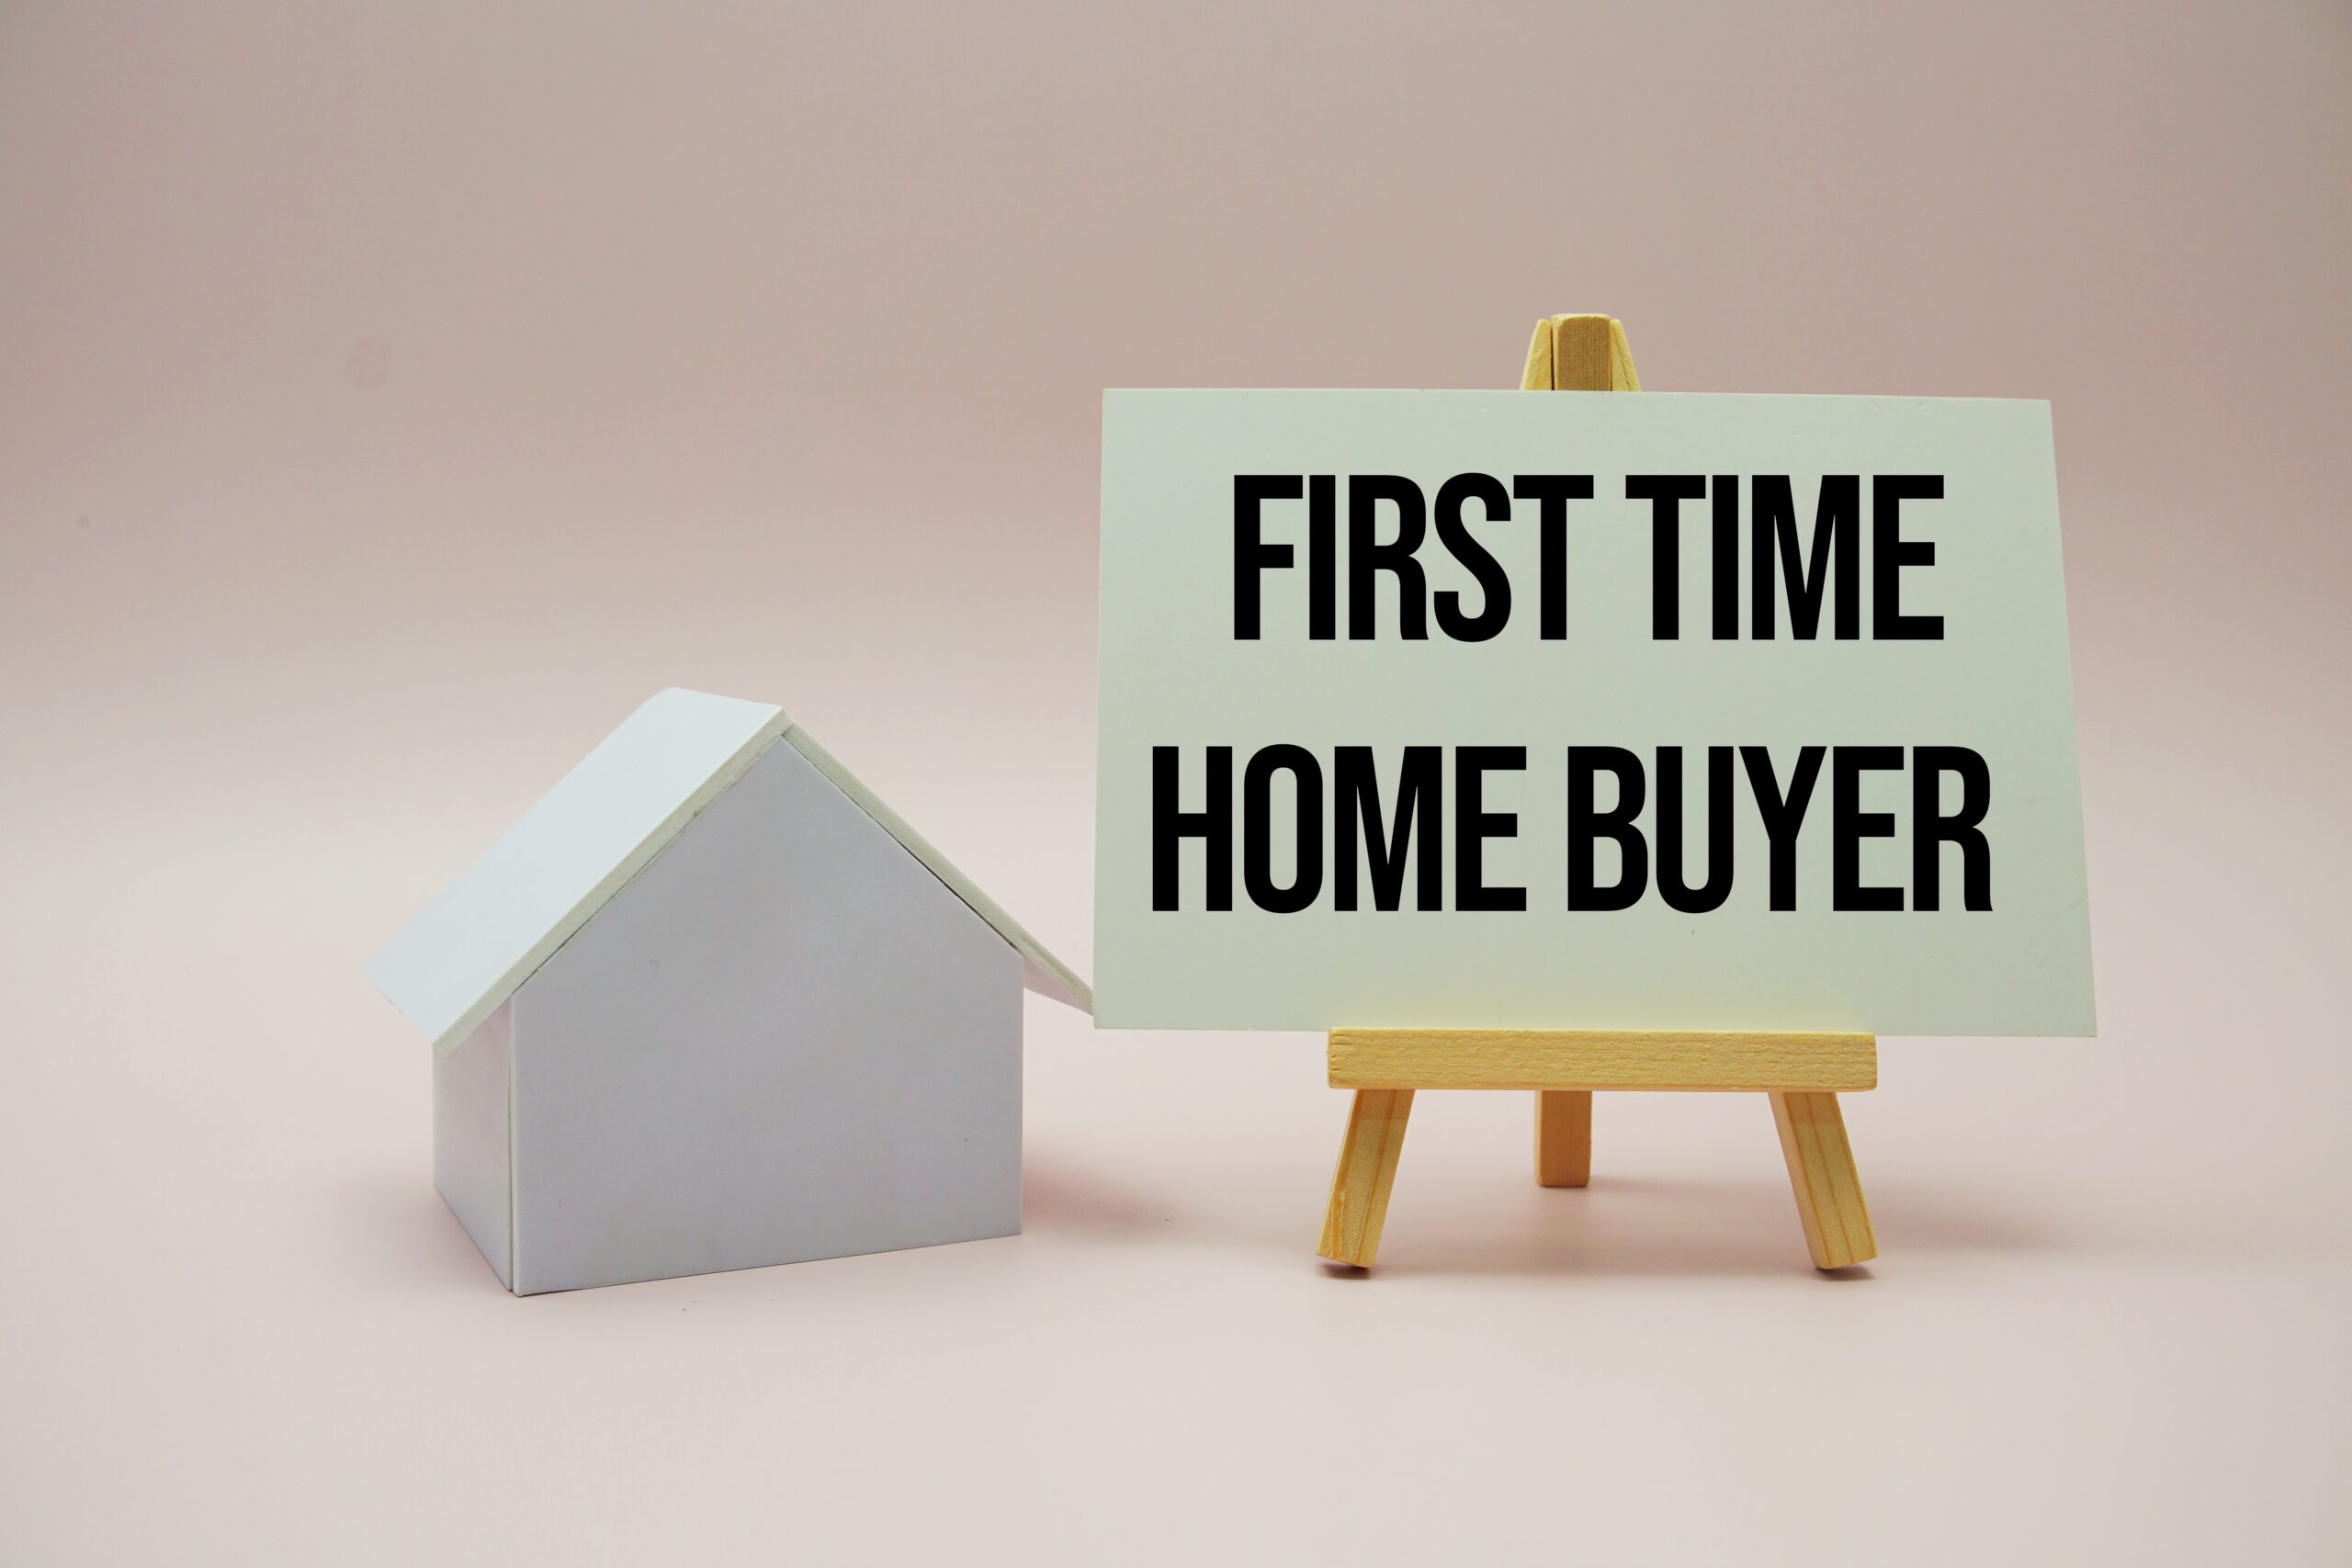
2105, 1325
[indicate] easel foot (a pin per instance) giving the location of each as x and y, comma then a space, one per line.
1367, 1170
1821, 1172
1563, 1137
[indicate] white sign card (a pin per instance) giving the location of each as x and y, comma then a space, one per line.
1581, 710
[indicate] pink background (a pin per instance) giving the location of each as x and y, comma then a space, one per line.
391, 396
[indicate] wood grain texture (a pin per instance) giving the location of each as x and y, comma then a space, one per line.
1579, 354
1537, 378
1590, 1059
1563, 1137
1821, 1170
1622, 375
1367, 1170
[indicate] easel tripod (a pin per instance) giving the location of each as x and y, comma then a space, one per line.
1802, 1073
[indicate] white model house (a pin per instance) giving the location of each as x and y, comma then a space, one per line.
711, 1005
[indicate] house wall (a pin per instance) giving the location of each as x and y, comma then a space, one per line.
784, 1039
470, 1099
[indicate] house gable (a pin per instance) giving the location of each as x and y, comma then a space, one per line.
784, 1039
604, 822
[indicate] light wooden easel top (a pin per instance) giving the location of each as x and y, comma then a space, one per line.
1801, 1073
1579, 354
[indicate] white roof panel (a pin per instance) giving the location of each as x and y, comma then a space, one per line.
541, 881
601, 825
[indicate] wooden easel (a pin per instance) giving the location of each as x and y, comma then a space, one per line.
1802, 1074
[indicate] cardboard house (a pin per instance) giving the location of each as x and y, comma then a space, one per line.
712, 1005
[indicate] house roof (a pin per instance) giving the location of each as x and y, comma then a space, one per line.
599, 826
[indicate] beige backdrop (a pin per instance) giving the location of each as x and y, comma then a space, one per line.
392, 395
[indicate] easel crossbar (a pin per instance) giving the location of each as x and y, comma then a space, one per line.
1590, 1059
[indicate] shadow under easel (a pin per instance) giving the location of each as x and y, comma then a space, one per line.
1501, 1225
1668, 1226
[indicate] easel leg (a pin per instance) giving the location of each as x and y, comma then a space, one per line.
1821, 1170
1563, 1137
1367, 1170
